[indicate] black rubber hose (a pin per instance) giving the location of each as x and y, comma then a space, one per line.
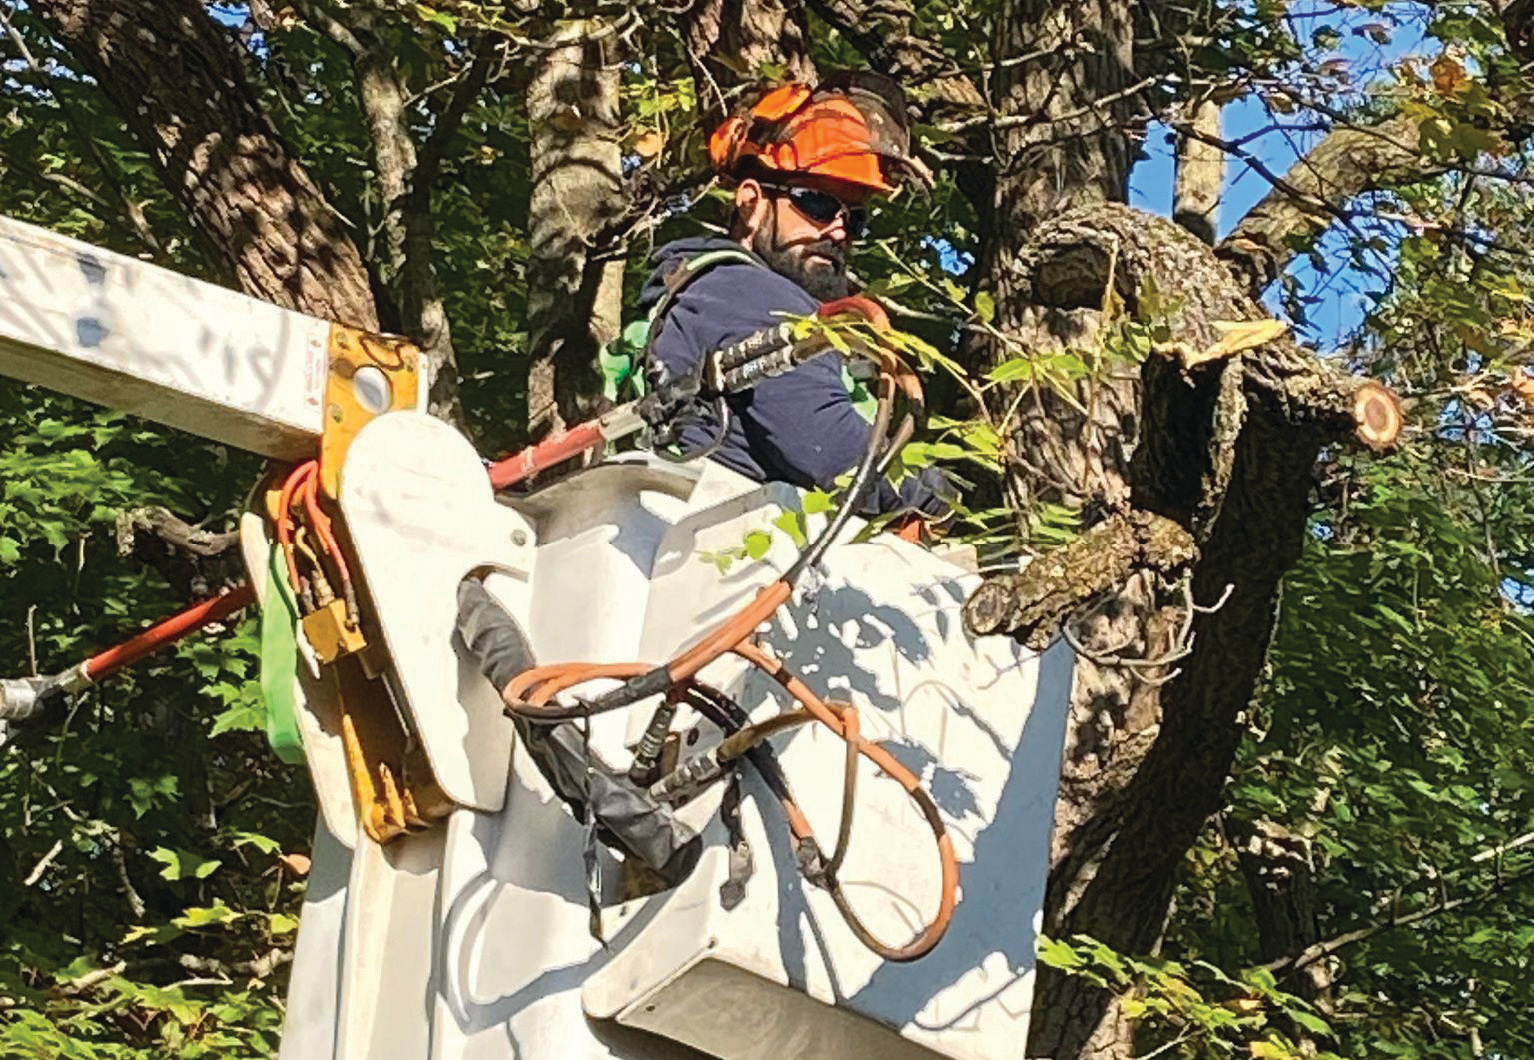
628, 817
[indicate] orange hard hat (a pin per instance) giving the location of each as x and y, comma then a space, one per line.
851, 127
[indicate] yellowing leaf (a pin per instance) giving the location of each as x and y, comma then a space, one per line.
1235, 336
985, 306
648, 143
1447, 73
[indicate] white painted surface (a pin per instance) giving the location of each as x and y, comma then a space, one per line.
422, 515
133, 336
506, 967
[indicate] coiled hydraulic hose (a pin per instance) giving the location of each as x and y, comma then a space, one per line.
531, 695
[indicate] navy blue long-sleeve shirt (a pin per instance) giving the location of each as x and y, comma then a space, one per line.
800, 427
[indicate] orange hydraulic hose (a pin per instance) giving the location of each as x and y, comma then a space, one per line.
284, 519
545, 682
948, 899
168, 631
329, 546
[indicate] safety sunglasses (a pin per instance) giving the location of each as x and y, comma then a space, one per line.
822, 207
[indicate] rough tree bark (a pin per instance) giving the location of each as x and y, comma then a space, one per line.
175, 78
1059, 140
730, 42
403, 178
573, 302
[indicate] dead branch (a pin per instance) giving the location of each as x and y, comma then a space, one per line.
256, 968
196, 561
1031, 604
1182, 642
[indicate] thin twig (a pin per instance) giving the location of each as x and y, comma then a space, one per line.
1182, 644
43, 863
134, 211
31, 640
120, 860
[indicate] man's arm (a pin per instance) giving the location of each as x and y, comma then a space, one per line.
803, 428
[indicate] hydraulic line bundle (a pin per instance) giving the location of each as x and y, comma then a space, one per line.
531, 696
319, 580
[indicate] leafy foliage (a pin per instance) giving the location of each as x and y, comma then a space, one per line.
149, 845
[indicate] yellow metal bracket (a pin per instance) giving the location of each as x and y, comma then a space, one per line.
369, 376
392, 785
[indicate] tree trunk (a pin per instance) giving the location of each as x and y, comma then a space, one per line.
1225, 448
1056, 148
178, 83
403, 182
734, 41
573, 302
1200, 171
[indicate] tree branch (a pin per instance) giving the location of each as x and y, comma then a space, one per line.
132, 210
884, 34
470, 82
1328, 947
1309, 197
1031, 604
1200, 173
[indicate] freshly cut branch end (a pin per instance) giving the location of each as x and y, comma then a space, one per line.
1377, 411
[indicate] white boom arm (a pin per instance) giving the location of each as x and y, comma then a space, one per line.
116, 331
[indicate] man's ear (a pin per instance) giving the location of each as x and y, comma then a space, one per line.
751, 206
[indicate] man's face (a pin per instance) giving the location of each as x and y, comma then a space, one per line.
781, 227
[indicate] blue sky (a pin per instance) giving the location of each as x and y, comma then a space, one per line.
1344, 293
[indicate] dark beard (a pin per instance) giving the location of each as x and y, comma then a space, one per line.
822, 282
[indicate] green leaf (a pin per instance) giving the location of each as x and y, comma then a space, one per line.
1059, 954
758, 544
792, 524
265, 844
1012, 370
985, 306
818, 502
1312, 1023
247, 716
440, 18
206, 916
182, 864
145, 792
